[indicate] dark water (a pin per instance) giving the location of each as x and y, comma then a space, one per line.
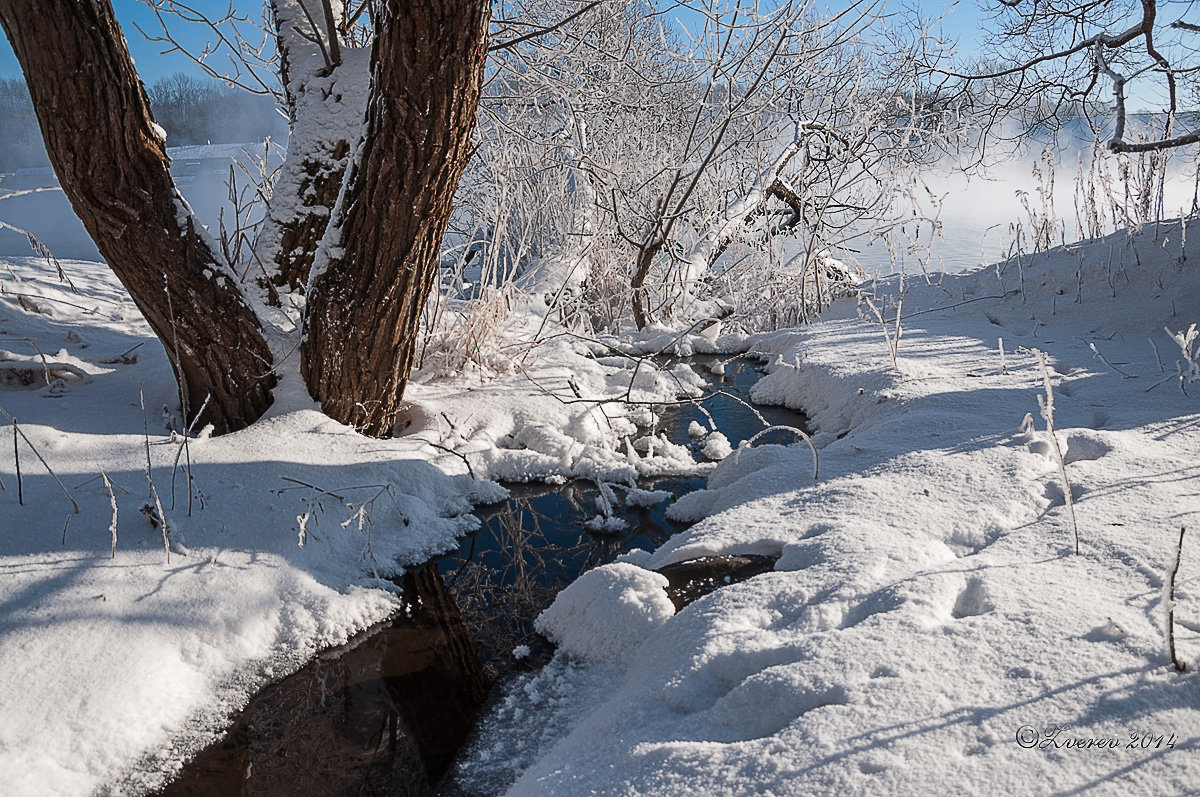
386, 714
534, 544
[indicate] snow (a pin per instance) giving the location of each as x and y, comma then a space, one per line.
928, 626
328, 109
716, 446
601, 524
281, 536
113, 658
607, 612
520, 428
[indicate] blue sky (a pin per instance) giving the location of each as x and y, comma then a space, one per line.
152, 65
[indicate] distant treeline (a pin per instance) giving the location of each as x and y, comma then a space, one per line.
192, 110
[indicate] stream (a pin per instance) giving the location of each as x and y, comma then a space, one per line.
386, 713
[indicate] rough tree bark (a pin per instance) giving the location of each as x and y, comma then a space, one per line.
111, 161
364, 307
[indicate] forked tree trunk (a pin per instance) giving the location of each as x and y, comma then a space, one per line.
364, 309
113, 167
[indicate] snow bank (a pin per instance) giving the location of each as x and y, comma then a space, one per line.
928, 627
607, 612
571, 412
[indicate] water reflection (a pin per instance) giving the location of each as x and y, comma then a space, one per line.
532, 546
382, 716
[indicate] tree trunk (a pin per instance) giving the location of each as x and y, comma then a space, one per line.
649, 250
111, 161
364, 309
317, 177
326, 103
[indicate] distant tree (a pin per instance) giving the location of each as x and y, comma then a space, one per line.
182, 104
197, 110
192, 110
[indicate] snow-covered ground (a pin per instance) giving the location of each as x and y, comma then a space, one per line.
120, 658
928, 627
117, 657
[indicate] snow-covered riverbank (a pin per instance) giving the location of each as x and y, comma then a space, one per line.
931, 629
123, 658
928, 622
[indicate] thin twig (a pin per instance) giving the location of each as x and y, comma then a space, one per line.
45, 362
309, 486
1179, 665
183, 447
543, 31
16, 431
86, 310
112, 500
1047, 405
17, 459
162, 516
958, 304
1104, 360
798, 432
111, 480
458, 454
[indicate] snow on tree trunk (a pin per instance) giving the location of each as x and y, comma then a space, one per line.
111, 160
326, 102
365, 302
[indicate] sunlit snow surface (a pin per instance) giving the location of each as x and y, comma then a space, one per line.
931, 629
927, 615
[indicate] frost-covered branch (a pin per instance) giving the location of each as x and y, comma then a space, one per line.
1056, 61
245, 45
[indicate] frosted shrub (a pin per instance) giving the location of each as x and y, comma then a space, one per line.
1043, 220
655, 177
1188, 368
1046, 407
484, 332
1124, 191
773, 292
